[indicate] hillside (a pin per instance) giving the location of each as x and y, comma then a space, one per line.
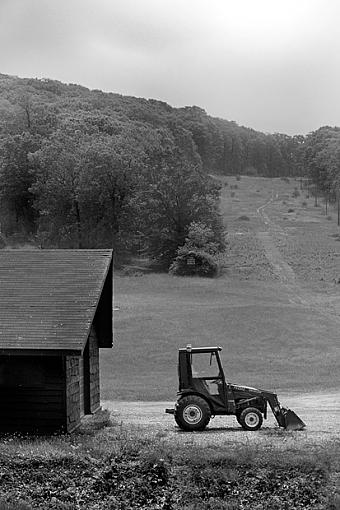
88, 169
40, 106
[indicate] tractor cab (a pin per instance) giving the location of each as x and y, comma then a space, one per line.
201, 372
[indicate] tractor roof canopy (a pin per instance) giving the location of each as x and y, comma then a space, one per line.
200, 349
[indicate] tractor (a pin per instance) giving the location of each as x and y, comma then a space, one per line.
204, 393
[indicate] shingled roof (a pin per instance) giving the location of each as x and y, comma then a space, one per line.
50, 298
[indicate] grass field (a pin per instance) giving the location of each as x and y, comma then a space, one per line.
269, 339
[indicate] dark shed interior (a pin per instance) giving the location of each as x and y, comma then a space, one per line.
31, 393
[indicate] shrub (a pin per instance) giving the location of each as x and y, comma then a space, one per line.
232, 194
296, 193
304, 204
243, 218
201, 237
290, 210
238, 177
198, 255
193, 263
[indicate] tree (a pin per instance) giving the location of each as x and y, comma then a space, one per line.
84, 185
107, 183
56, 168
172, 196
16, 199
321, 161
202, 237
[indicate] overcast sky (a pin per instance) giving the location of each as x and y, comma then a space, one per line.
273, 65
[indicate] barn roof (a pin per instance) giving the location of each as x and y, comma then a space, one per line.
50, 298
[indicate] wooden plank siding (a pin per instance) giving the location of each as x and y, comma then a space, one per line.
94, 383
81, 386
32, 394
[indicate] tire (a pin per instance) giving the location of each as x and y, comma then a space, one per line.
192, 413
250, 418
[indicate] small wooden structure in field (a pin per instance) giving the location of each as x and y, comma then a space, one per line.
55, 314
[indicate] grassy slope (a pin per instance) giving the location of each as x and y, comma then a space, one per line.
268, 341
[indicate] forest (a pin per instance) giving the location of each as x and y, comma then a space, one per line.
82, 168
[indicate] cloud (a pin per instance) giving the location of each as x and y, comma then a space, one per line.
262, 63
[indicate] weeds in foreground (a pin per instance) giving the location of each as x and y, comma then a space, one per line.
123, 468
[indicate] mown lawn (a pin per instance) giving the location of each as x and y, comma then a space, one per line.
267, 341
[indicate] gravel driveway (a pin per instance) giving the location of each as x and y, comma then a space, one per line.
320, 412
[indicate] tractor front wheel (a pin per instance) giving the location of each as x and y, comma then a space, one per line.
192, 413
250, 418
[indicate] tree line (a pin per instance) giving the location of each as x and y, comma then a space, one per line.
321, 165
82, 168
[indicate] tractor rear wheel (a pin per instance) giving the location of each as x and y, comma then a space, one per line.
192, 413
250, 418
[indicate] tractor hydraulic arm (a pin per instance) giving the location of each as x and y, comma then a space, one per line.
275, 406
284, 417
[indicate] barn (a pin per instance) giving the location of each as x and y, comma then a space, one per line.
55, 315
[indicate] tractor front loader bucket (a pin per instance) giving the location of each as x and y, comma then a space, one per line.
286, 418
291, 420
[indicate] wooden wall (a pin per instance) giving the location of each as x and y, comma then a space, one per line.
93, 367
82, 383
49, 393
31, 393
72, 392
81, 386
